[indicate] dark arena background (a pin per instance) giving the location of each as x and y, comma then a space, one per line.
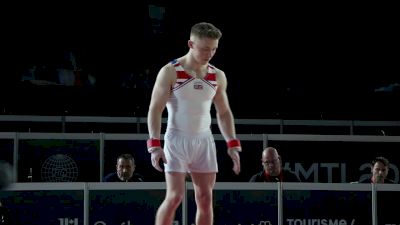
282, 61
318, 81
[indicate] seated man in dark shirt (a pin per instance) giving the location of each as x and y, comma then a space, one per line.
125, 170
379, 171
273, 171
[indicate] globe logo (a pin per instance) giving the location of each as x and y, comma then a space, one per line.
59, 168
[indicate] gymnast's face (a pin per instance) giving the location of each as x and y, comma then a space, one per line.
203, 49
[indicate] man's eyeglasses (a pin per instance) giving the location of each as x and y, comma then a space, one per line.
267, 162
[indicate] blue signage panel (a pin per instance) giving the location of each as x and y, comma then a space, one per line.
126, 207
32, 207
305, 207
387, 209
240, 207
52, 160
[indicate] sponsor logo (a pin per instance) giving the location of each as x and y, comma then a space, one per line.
320, 222
68, 221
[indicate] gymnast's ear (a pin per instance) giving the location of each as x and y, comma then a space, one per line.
190, 43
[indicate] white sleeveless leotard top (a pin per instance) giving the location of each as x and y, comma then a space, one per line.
190, 102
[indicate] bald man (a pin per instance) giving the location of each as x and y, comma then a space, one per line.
272, 169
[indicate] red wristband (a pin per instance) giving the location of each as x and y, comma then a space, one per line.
233, 143
153, 143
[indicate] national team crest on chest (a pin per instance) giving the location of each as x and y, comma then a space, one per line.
185, 79
198, 85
